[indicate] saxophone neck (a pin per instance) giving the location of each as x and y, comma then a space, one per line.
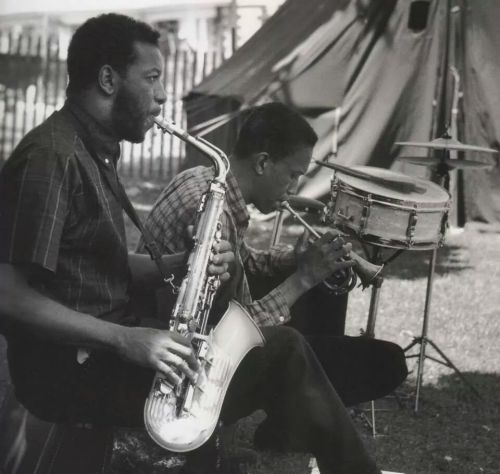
216, 155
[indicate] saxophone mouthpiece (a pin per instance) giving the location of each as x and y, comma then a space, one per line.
166, 126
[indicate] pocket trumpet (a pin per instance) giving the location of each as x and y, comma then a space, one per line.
344, 280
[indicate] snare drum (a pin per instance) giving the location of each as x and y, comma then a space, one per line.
387, 215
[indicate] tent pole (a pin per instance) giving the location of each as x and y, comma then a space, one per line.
443, 119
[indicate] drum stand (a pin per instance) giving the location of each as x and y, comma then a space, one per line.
370, 332
376, 286
423, 340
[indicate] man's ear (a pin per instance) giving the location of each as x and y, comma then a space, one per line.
260, 162
108, 79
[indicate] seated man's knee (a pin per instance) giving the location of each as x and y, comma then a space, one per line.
285, 336
392, 358
287, 347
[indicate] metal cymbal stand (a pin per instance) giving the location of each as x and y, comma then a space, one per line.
443, 178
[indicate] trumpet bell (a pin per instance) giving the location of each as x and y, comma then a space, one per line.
366, 271
341, 282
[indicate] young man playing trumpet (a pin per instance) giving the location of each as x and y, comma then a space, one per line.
273, 150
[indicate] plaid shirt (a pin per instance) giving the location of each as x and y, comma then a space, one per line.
175, 210
58, 213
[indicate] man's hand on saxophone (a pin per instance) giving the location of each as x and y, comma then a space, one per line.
159, 349
164, 351
145, 273
222, 256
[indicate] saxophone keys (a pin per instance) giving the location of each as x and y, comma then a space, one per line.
192, 325
162, 387
218, 232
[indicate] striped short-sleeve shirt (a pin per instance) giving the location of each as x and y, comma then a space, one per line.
58, 213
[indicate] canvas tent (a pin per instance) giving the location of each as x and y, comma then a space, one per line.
366, 78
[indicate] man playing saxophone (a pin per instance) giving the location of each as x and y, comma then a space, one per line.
65, 273
273, 150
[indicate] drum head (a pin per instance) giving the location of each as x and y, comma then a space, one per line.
428, 192
391, 209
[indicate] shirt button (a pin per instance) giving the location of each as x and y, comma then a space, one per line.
106, 161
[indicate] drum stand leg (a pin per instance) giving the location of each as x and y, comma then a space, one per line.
376, 286
423, 340
370, 332
372, 312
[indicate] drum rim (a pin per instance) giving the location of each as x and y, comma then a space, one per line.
395, 244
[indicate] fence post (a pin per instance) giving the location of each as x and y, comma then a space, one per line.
3, 142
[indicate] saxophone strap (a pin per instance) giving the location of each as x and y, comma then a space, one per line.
111, 177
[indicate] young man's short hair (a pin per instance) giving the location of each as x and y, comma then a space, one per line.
276, 129
105, 39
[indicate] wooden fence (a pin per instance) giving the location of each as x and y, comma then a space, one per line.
32, 86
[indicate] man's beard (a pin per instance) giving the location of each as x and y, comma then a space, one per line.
127, 117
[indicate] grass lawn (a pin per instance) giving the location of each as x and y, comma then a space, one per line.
454, 431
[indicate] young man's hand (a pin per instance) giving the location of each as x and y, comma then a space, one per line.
318, 260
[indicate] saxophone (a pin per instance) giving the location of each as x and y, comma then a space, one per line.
181, 418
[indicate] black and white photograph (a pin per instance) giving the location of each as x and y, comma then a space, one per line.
249, 237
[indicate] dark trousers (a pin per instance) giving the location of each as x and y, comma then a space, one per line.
360, 368
284, 378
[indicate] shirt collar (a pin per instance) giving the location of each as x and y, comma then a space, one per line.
235, 201
105, 144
